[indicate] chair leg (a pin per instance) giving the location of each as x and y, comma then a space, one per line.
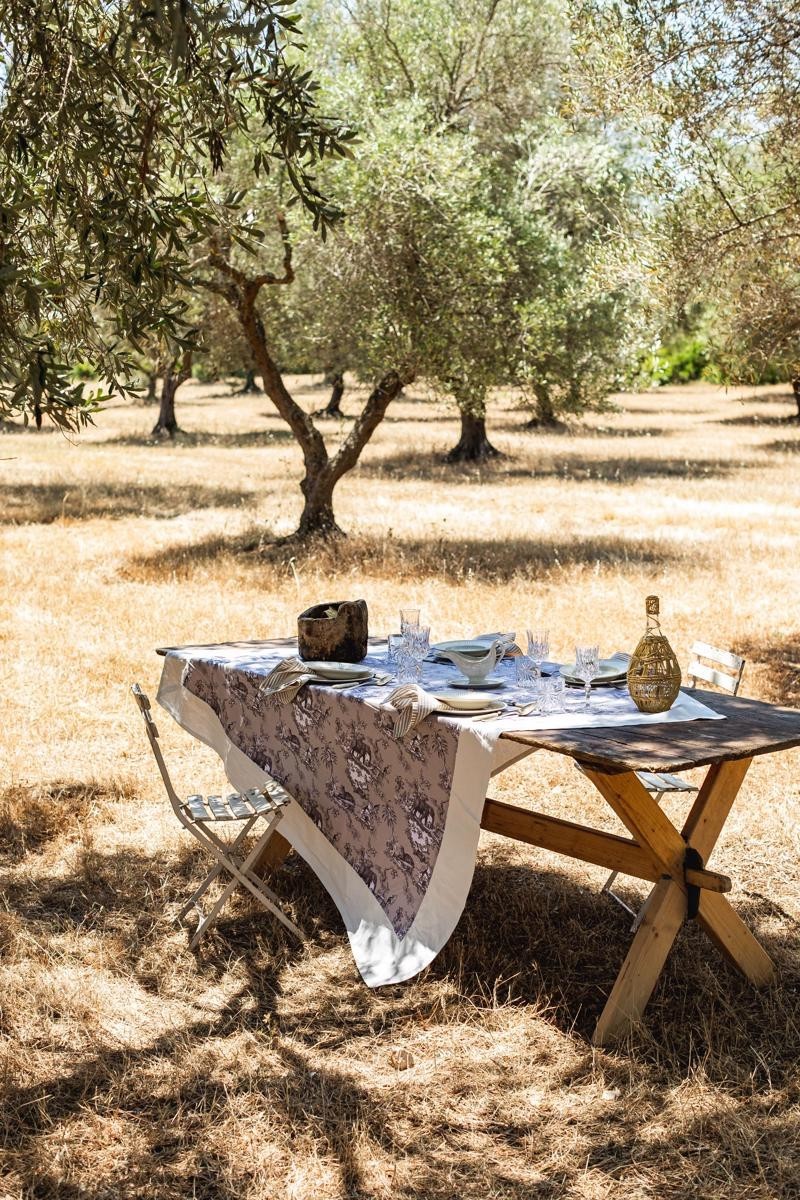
257, 886
204, 886
207, 841
209, 918
242, 874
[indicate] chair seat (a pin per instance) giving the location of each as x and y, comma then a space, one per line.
664, 782
238, 806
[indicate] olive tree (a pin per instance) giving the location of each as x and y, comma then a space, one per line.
714, 89
405, 285
485, 81
115, 118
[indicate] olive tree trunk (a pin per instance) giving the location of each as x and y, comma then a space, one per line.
334, 405
250, 385
176, 373
473, 445
322, 471
545, 415
796, 394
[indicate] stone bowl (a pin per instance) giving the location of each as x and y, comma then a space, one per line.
333, 632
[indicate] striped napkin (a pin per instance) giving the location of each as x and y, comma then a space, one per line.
285, 680
412, 705
510, 647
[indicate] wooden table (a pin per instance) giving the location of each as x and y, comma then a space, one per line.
674, 860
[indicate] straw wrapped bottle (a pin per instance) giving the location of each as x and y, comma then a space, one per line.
654, 676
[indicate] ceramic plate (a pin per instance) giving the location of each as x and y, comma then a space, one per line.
469, 701
339, 671
491, 681
611, 671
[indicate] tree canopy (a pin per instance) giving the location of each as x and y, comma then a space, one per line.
480, 202
115, 119
714, 89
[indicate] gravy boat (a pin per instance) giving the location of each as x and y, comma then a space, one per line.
476, 666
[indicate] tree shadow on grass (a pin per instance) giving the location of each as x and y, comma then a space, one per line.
780, 396
246, 439
787, 446
683, 410
120, 898
42, 504
179, 1097
31, 815
574, 428
572, 468
559, 945
781, 658
759, 420
457, 559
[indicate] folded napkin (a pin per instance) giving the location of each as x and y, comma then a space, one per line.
413, 704
285, 680
510, 647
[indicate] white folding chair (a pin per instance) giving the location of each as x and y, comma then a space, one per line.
720, 668
198, 813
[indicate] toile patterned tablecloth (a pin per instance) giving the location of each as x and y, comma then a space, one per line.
390, 826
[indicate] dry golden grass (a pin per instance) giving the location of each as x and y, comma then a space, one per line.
133, 1068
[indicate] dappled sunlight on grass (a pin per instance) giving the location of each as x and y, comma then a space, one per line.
256, 1068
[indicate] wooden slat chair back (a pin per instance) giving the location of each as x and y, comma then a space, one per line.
199, 812
720, 668
707, 665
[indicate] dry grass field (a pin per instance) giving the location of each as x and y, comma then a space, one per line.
252, 1069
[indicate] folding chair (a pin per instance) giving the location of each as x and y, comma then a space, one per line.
720, 668
198, 813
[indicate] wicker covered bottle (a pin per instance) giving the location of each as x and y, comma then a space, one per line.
654, 676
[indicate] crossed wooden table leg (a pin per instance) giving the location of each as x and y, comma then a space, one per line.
674, 860
669, 903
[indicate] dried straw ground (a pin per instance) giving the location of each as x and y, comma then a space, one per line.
133, 1068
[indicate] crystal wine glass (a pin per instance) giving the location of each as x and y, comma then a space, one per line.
410, 655
538, 648
408, 617
587, 664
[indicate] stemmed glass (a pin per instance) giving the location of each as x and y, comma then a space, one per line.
408, 616
538, 649
587, 664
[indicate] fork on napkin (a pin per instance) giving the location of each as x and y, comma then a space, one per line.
285, 680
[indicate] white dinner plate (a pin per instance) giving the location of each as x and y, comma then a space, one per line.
609, 671
468, 700
339, 671
468, 703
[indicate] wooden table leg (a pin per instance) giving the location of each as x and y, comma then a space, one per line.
668, 906
276, 850
729, 934
701, 830
643, 963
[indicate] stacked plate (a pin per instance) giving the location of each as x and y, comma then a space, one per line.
467, 704
612, 673
338, 672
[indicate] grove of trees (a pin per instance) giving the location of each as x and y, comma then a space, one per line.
524, 194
